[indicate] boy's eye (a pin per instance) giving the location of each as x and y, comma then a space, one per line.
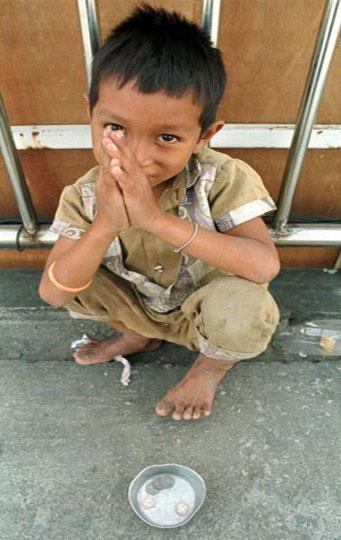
166, 137
114, 127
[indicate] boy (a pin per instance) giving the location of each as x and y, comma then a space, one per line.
163, 240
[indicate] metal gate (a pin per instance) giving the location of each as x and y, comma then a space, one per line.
30, 233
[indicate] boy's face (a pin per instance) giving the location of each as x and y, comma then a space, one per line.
163, 131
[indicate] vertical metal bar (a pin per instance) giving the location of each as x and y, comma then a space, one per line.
90, 32
16, 174
324, 48
211, 19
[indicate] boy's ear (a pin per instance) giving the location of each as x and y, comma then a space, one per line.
208, 134
86, 99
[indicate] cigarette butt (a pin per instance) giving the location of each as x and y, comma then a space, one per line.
327, 343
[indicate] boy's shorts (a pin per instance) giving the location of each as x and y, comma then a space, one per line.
228, 318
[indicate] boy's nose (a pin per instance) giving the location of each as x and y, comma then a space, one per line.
142, 152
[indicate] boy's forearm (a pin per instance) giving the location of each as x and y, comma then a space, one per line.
244, 257
77, 266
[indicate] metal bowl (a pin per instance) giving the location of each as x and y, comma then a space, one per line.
167, 496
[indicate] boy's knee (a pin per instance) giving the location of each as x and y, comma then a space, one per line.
238, 315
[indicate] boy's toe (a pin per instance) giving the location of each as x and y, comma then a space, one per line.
164, 408
197, 413
188, 413
178, 413
206, 409
87, 345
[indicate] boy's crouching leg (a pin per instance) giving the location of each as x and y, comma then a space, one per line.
233, 319
110, 301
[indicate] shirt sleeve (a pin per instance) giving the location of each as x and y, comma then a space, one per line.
70, 220
238, 195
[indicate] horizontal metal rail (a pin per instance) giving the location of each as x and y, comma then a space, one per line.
317, 234
312, 234
78, 136
14, 236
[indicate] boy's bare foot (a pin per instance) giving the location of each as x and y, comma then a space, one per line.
192, 397
97, 352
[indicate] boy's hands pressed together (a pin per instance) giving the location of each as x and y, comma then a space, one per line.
140, 203
111, 211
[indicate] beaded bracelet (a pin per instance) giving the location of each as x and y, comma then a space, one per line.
193, 235
63, 287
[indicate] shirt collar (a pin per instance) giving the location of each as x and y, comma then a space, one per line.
193, 171
174, 194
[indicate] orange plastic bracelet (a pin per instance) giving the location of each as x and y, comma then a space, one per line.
63, 287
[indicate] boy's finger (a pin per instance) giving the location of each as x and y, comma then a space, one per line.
115, 163
122, 143
106, 131
120, 176
128, 161
131, 169
126, 155
109, 147
105, 165
105, 160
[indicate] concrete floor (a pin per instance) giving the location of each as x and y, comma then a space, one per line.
72, 438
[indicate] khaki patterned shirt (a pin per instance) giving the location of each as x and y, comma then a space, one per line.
214, 190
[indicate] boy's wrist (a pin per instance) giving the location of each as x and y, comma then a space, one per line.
98, 230
158, 224
174, 230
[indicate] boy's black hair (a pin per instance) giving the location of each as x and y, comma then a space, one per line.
164, 52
